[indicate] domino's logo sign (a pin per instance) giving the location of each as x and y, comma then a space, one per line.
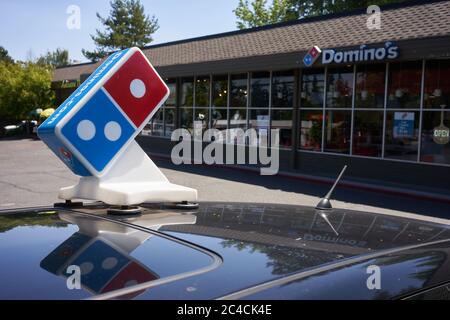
98, 121
311, 56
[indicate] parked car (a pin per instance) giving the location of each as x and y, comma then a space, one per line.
220, 251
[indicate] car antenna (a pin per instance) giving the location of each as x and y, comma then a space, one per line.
324, 203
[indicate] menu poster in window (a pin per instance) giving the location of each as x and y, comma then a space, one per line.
404, 125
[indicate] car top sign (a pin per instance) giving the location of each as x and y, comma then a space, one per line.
100, 119
363, 54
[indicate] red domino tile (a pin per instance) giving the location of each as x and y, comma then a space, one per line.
132, 272
137, 108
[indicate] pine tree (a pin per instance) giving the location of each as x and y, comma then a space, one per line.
127, 26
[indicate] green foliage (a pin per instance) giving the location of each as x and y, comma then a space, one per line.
9, 222
58, 58
127, 26
23, 88
259, 13
4, 56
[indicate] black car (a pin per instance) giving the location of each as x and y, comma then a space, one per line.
220, 251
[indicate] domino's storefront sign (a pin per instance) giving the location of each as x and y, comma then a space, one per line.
362, 54
90, 130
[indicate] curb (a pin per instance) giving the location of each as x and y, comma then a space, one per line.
395, 191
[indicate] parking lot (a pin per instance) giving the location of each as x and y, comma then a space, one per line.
30, 175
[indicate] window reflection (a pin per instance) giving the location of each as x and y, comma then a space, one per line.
435, 145
312, 88
337, 131
187, 92
367, 133
219, 118
283, 89
404, 84
402, 132
156, 125
169, 121
340, 87
238, 94
238, 122
311, 130
202, 91
282, 120
201, 117
172, 99
259, 120
260, 86
219, 91
186, 118
437, 84
370, 86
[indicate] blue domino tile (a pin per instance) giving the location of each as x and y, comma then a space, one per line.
99, 263
98, 111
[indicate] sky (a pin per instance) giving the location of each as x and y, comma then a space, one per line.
29, 28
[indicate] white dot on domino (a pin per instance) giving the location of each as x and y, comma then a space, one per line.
109, 263
112, 131
130, 283
137, 88
86, 268
86, 130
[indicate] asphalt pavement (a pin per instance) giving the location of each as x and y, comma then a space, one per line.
31, 175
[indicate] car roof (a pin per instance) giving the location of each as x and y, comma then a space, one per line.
217, 250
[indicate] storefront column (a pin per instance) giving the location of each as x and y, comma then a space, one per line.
295, 119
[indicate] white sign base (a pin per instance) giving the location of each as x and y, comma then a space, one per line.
133, 179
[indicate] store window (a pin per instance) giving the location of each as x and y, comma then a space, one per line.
169, 121
312, 91
237, 123
402, 135
187, 92
311, 130
186, 118
260, 121
435, 146
337, 131
437, 84
202, 91
239, 90
282, 120
368, 133
156, 125
340, 87
260, 89
283, 89
404, 85
172, 99
370, 86
169, 108
219, 118
220, 91
201, 117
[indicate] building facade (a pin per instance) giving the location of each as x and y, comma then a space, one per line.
339, 92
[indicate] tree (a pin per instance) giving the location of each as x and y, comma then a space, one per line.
259, 13
58, 58
24, 87
4, 56
127, 26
